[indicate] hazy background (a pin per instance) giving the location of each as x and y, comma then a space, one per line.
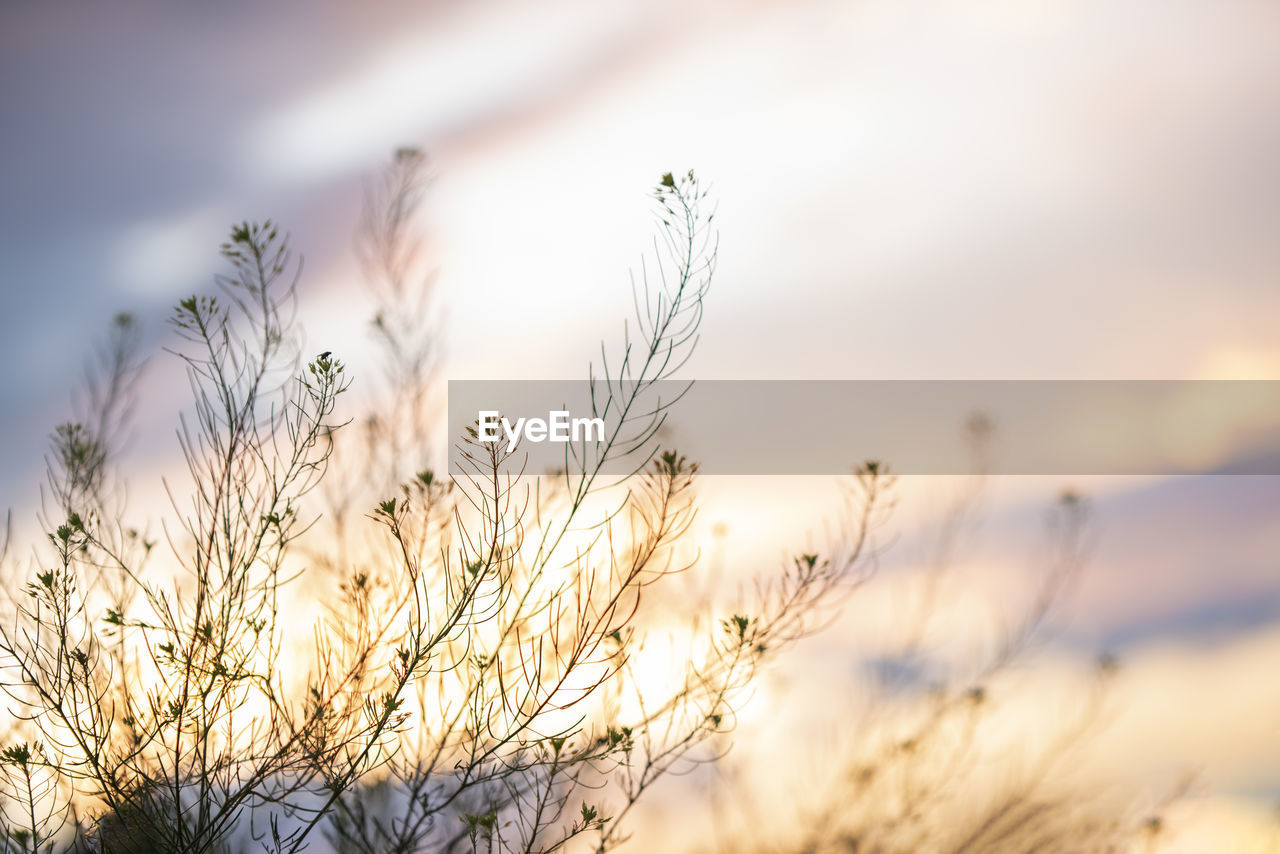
932, 189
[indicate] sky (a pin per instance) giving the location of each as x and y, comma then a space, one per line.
931, 189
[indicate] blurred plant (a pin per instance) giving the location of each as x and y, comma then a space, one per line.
393, 438
80, 486
934, 765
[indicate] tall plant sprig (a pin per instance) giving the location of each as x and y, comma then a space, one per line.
510, 640
254, 450
669, 304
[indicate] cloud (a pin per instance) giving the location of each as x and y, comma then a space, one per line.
451, 71
157, 257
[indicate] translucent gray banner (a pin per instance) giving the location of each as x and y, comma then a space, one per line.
917, 427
